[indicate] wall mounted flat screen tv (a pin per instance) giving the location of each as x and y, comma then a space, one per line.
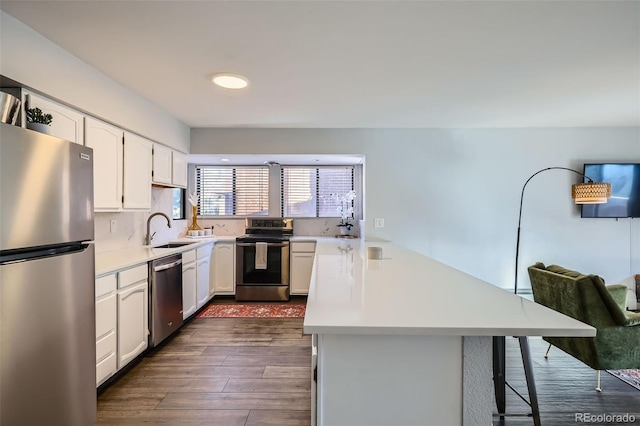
625, 190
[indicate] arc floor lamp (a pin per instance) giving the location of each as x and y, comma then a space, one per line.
589, 192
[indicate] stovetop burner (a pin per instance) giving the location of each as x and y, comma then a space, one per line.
267, 230
267, 238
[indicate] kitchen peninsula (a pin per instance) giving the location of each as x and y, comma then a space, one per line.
406, 340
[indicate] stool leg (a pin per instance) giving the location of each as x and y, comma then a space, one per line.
499, 384
531, 383
546, 354
598, 388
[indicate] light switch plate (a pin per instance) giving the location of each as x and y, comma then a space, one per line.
113, 226
378, 222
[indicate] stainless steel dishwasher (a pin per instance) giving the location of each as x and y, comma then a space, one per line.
165, 297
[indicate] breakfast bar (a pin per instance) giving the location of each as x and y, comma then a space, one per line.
406, 340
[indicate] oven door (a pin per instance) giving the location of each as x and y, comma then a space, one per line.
277, 265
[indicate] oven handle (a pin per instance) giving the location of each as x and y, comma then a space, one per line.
268, 244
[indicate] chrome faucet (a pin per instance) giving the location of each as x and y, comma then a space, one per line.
149, 237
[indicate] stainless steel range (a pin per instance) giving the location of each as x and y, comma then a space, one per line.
262, 260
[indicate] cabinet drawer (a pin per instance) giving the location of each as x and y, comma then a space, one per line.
188, 256
106, 316
105, 368
105, 285
203, 252
133, 275
106, 346
303, 246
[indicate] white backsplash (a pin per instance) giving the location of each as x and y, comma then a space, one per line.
313, 227
131, 227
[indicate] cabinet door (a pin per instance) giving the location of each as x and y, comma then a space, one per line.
66, 123
161, 164
137, 172
106, 345
189, 298
224, 268
179, 175
133, 327
301, 267
106, 141
202, 280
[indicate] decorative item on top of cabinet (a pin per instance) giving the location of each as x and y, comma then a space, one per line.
67, 123
39, 121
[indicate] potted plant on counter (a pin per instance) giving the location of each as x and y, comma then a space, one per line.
39, 121
345, 210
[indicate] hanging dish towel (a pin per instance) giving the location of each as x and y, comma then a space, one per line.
261, 255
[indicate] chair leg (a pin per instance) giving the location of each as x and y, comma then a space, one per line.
546, 354
598, 388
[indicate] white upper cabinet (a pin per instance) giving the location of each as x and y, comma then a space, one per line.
162, 159
179, 175
66, 124
106, 141
137, 172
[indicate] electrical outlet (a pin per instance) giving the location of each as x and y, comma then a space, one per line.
378, 222
113, 225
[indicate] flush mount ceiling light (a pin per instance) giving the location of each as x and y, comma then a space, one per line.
230, 81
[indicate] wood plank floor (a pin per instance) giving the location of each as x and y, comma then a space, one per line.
257, 372
565, 387
218, 371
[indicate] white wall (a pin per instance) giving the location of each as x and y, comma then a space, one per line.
34, 61
453, 194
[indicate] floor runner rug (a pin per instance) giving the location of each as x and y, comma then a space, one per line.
629, 376
254, 310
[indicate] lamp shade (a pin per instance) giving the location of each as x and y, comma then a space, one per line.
591, 192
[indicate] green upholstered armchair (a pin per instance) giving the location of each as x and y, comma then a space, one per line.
586, 298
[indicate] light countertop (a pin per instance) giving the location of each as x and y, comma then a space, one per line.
407, 293
114, 260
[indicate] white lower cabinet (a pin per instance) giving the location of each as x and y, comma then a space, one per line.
106, 328
203, 272
133, 335
122, 325
189, 298
224, 269
302, 255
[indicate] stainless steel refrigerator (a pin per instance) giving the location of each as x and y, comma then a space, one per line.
47, 281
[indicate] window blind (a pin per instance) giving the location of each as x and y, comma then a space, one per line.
306, 191
232, 191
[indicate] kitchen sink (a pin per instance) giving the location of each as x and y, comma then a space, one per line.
173, 245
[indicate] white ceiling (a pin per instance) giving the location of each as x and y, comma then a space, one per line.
362, 63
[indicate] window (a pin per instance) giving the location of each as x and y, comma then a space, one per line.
232, 191
306, 191
178, 203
